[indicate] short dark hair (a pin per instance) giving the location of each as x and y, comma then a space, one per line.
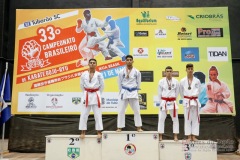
168, 67
129, 56
92, 59
87, 11
189, 65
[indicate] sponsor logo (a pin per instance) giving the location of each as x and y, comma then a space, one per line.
217, 53
209, 32
164, 53
160, 33
184, 35
173, 18
174, 74
146, 20
76, 100
54, 101
190, 53
54, 98
130, 149
215, 17
140, 52
141, 33
31, 103
73, 153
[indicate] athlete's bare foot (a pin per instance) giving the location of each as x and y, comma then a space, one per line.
139, 129
99, 134
119, 130
175, 138
189, 138
194, 139
82, 136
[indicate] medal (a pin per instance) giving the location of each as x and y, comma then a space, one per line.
189, 84
169, 84
128, 72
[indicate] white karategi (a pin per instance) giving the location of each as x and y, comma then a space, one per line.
91, 26
218, 98
129, 95
191, 105
168, 102
92, 90
116, 42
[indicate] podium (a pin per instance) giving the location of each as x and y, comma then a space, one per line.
71, 147
127, 145
183, 150
130, 145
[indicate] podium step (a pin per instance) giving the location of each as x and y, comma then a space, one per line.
183, 150
71, 147
130, 145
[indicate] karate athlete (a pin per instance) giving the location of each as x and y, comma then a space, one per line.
218, 94
90, 25
129, 79
189, 91
168, 90
113, 34
92, 85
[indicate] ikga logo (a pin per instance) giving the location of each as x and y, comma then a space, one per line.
184, 35
209, 32
164, 53
217, 53
190, 53
160, 33
146, 19
140, 52
130, 149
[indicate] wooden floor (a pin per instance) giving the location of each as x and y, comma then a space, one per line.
41, 156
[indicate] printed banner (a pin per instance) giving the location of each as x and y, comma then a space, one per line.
52, 48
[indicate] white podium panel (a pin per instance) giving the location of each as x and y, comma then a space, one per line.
71, 147
130, 145
183, 150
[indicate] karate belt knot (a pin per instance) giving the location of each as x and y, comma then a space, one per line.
170, 99
195, 99
92, 90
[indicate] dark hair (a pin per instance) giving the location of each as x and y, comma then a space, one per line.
129, 56
189, 65
92, 59
87, 11
168, 67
